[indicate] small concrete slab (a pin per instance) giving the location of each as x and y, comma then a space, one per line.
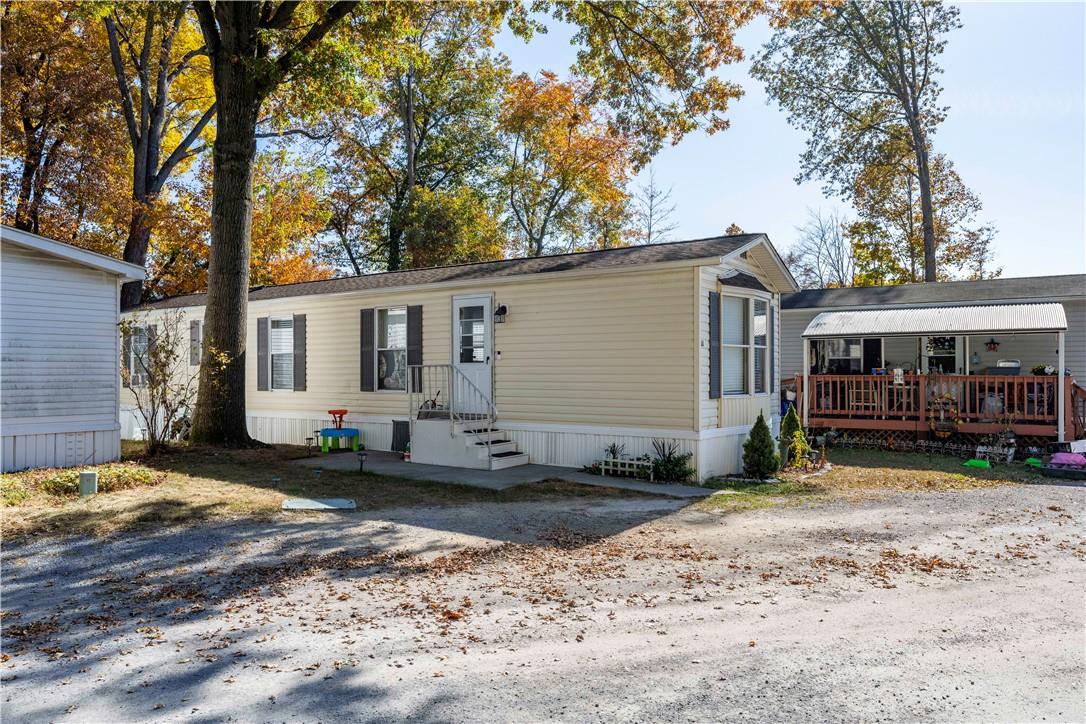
318, 504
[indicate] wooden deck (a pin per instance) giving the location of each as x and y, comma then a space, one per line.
970, 403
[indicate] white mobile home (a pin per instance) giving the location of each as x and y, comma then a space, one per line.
59, 379
544, 359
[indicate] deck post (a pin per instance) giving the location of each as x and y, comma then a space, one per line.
806, 378
1060, 387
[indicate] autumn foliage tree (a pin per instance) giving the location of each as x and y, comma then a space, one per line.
55, 121
852, 74
163, 93
888, 238
427, 136
565, 161
290, 212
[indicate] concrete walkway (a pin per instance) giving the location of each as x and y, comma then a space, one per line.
386, 463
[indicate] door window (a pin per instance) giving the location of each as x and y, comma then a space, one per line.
472, 334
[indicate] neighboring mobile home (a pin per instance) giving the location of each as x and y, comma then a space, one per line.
59, 377
980, 340
546, 359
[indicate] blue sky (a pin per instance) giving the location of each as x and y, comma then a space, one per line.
1016, 131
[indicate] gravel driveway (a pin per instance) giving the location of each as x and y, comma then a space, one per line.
934, 606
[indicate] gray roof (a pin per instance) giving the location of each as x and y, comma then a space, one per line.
987, 290
601, 259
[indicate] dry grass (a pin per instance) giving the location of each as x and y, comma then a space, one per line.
865, 473
861, 471
196, 484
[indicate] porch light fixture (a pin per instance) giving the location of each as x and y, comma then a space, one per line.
991, 345
499, 313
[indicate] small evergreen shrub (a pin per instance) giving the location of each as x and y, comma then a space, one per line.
670, 465
760, 458
789, 426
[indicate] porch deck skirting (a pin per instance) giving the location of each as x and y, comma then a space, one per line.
715, 451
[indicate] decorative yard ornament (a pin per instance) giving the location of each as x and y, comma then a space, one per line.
944, 415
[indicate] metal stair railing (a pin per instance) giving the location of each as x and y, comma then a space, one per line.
443, 392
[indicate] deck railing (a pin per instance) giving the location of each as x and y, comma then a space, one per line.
442, 392
981, 403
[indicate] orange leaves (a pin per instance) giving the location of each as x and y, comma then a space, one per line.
567, 161
289, 210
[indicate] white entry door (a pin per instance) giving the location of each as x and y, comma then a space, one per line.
473, 350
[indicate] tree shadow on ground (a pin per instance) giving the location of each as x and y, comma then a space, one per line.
182, 608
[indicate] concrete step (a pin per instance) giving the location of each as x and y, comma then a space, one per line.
483, 434
496, 447
509, 459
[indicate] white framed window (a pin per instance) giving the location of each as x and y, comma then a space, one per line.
735, 343
392, 348
761, 335
139, 341
281, 353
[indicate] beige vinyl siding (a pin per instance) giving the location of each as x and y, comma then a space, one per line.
611, 349
333, 373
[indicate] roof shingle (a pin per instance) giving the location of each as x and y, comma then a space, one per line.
987, 290
600, 259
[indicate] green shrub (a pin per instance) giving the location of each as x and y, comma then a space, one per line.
670, 465
760, 458
13, 490
800, 450
789, 426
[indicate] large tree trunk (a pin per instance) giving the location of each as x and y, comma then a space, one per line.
927, 211
24, 214
220, 404
135, 248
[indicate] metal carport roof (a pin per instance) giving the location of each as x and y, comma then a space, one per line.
947, 320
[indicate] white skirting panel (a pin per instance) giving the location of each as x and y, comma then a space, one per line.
59, 450
284, 430
716, 451
575, 448
721, 454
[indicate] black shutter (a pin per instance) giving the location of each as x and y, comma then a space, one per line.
414, 343
366, 353
126, 356
262, 353
299, 352
714, 345
194, 341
